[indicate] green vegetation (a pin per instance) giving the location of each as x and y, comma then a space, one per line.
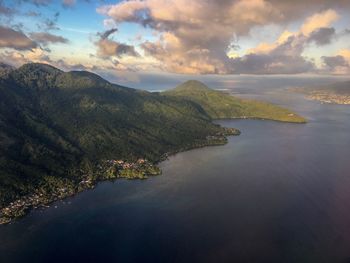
62, 125
220, 105
59, 129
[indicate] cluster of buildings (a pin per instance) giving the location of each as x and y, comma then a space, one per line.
19, 207
128, 165
326, 97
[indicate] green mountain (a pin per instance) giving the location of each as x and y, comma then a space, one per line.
58, 129
54, 122
219, 105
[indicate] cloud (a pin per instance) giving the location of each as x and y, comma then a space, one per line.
199, 36
49, 23
47, 38
68, 3
337, 64
174, 58
107, 33
37, 2
322, 36
296, 9
283, 57
335, 61
15, 39
16, 58
107, 48
345, 53
270, 64
319, 20
170, 15
6, 11
196, 36
32, 14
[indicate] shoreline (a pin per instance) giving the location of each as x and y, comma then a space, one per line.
107, 170
262, 119
334, 99
323, 96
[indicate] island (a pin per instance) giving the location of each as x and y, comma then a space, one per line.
63, 132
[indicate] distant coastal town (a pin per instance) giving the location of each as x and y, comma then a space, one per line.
329, 97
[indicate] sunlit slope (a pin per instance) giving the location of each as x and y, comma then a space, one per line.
220, 105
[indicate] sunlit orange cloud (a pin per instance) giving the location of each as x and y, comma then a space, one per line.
192, 37
312, 23
195, 36
345, 53
319, 20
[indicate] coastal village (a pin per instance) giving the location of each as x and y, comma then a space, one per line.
329, 97
111, 169
107, 170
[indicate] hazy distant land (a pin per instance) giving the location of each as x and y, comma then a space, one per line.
336, 93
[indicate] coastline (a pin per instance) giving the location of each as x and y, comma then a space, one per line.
329, 98
324, 96
304, 121
106, 170
109, 170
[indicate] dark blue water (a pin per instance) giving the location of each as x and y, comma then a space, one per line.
277, 193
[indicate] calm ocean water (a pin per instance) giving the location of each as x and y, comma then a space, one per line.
277, 193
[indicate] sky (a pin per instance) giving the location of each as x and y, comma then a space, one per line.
123, 40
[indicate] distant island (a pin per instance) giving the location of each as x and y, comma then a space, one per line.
336, 93
62, 132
